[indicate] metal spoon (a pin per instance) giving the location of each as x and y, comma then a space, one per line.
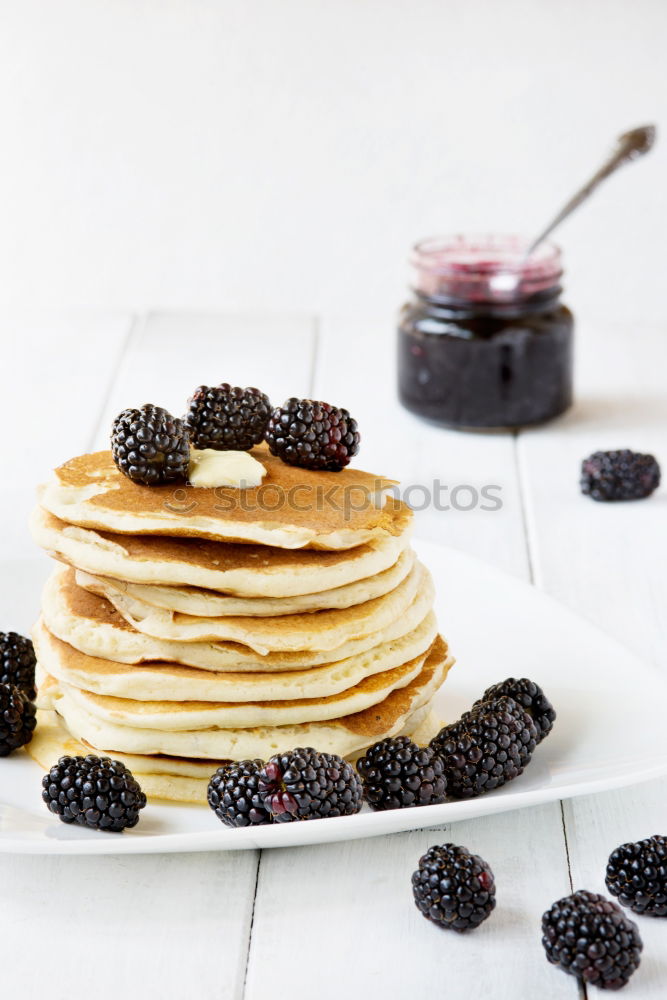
629, 146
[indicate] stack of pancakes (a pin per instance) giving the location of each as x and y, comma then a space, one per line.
188, 626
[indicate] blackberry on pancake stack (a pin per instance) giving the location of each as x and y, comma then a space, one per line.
190, 625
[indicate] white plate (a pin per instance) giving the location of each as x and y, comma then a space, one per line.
609, 730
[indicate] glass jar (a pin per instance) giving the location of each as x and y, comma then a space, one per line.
485, 341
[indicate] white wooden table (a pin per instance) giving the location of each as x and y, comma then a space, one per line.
338, 920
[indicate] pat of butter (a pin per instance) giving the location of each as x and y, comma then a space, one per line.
237, 469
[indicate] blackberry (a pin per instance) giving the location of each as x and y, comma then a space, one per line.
305, 784
530, 697
454, 729
17, 662
589, 937
454, 888
151, 447
488, 747
233, 794
227, 418
637, 876
93, 791
619, 475
396, 773
17, 719
312, 434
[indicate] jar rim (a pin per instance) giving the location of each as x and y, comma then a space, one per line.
485, 267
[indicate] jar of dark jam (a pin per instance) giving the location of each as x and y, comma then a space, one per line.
485, 341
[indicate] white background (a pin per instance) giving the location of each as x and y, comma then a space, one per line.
281, 157
284, 155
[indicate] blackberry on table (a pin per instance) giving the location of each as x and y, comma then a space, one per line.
530, 697
637, 876
619, 475
488, 747
93, 791
312, 434
227, 417
454, 888
150, 446
17, 662
233, 794
17, 718
396, 774
589, 937
304, 784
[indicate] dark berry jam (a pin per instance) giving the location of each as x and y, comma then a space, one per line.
485, 341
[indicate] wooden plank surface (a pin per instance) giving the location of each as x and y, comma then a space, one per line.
607, 561
339, 919
56, 373
169, 925
347, 908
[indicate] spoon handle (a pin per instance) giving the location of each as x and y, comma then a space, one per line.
629, 146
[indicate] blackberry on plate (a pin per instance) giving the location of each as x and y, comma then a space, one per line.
530, 697
589, 937
233, 794
305, 784
488, 747
619, 475
17, 719
454, 888
396, 773
17, 662
312, 434
151, 447
637, 876
454, 729
93, 791
227, 418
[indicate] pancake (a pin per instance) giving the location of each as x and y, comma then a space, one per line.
342, 736
186, 627
234, 569
176, 779
167, 682
424, 726
193, 715
316, 630
293, 508
210, 604
93, 626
